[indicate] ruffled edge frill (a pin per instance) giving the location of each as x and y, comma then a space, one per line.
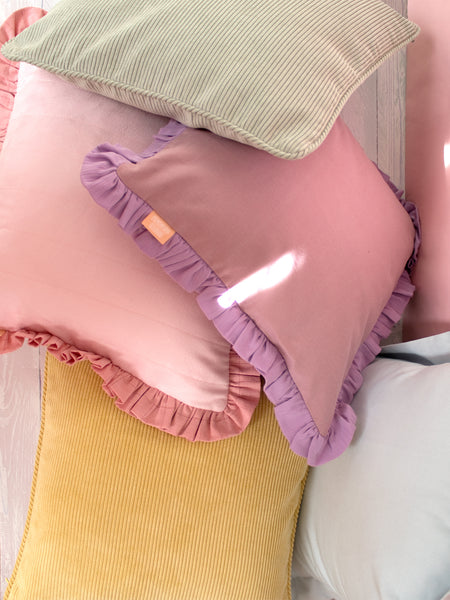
182, 263
9, 70
150, 405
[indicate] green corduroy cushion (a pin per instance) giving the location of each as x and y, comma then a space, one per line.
271, 74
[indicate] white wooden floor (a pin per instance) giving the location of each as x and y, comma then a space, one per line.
9, 6
375, 114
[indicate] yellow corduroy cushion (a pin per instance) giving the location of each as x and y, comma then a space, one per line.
120, 510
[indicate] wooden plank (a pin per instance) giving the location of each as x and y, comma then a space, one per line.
391, 94
20, 394
19, 430
375, 113
48, 4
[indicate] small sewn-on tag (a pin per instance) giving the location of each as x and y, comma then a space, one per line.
159, 229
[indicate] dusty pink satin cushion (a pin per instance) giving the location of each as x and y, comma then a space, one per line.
72, 281
428, 166
313, 252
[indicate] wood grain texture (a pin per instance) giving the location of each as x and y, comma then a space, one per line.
20, 382
360, 114
391, 94
375, 114
9, 6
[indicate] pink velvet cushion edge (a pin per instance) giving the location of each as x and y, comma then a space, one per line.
133, 396
99, 175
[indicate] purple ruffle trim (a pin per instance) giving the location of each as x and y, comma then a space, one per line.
182, 263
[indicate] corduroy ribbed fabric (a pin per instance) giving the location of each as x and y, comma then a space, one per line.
122, 511
271, 74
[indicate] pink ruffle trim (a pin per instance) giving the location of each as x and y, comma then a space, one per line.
149, 404
182, 263
9, 70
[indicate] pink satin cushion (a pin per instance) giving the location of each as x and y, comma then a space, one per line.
300, 264
74, 283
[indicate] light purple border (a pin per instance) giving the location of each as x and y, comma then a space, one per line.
182, 263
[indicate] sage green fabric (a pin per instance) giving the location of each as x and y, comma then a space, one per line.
270, 73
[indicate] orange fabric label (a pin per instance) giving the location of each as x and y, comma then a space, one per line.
159, 229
